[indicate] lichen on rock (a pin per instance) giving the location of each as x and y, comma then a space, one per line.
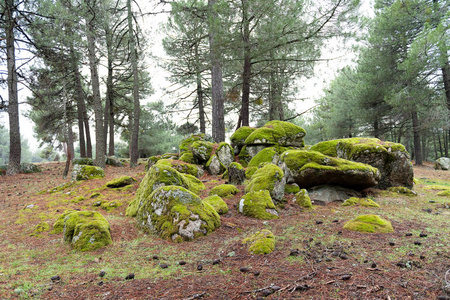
182, 167
217, 203
174, 213
120, 182
369, 224
302, 199
239, 136
291, 188
85, 172
27, 168
202, 150
83, 161
268, 155
367, 202
235, 174
258, 205
214, 166
225, 154
277, 133
224, 190
262, 242
185, 145
402, 190
270, 178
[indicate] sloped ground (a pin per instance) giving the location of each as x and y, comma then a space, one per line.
314, 257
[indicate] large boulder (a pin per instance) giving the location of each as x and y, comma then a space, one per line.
214, 166
182, 167
113, 161
173, 212
185, 145
442, 163
202, 150
258, 205
239, 136
311, 168
235, 174
277, 133
267, 155
217, 203
84, 230
85, 172
161, 175
225, 154
391, 159
324, 194
270, 178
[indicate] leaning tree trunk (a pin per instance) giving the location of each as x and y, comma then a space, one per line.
416, 132
15, 150
218, 115
99, 132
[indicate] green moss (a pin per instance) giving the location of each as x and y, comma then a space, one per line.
185, 144
262, 242
83, 161
266, 155
202, 150
445, 193
250, 171
367, 202
110, 205
224, 190
95, 195
151, 161
270, 178
258, 205
437, 187
277, 133
214, 166
83, 172
78, 199
62, 187
177, 214
302, 199
244, 157
188, 157
181, 166
120, 182
39, 229
217, 203
369, 224
27, 168
161, 175
291, 188
239, 136
402, 190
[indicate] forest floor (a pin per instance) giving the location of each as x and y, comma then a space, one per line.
314, 258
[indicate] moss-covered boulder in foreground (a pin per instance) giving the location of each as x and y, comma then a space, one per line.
224, 190
214, 166
262, 242
185, 145
267, 155
120, 182
85, 172
161, 175
202, 151
258, 205
369, 224
85, 230
311, 168
391, 159
217, 203
188, 157
174, 213
277, 133
360, 202
270, 178
239, 136
302, 199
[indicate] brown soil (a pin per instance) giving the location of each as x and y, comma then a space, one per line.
312, 260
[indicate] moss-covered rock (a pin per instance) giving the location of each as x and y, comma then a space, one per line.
402, 190
391, 159
217, 203
267, 155
310, 168
249, 171
161, 175
113, 161
369, 224
270, 178
235, 174
291, 188
224, 190
83, 161
185, 145
202, 150
240, 135
27, 168
258, 205
85, 172
244, 156
110, 205
442, 163
262, 242
214, 166
174, 213
302, 199
367, 202
225, 154
183, 167
277, 133
120, 182
188, 157
39, 229
86, 230
445, 193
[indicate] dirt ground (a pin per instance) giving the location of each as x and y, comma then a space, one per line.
314, 258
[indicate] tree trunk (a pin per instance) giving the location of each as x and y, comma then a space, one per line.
99, 132
111, 130
13, 105
109, 92
416, 132
218, 117
201, 108
446, 78
134, 143
247, 70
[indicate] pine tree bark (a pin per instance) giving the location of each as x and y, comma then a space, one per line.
15, 150
201, 107
134, 144
247, 69
218, 118
93, 64
416, 134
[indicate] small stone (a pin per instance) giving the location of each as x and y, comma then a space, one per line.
275, 288
401, 264
294, 252
319, 222
100, 283
244, 269
343, 256
391, 243
432, 201
182, 263
373, 265
102, 273
129, 276
346, 277
411, 254
216, 262
422, 257
56, 278
256, 273
428, 210
408, 234
266, 292
155, 257
417, 243
49, 288
423, 235
335, 221
163, 266
339, 232
200, 267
